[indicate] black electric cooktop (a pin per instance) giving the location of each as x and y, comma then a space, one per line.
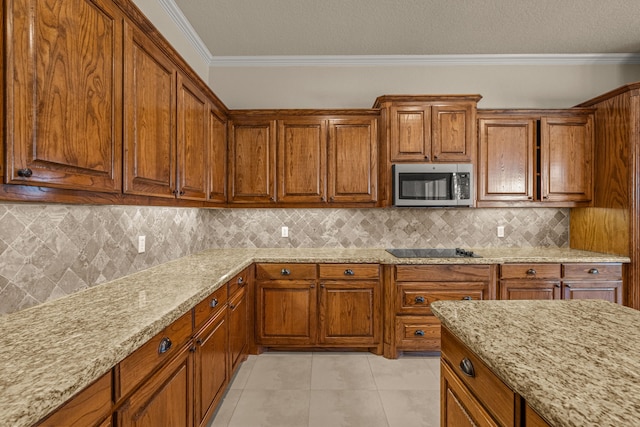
432, 253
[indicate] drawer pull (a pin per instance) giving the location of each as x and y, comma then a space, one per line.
467, 298
467, 368
419, 300
240, 281
214, 302
531, 272
419, 333
285, 272
349, 272
594, 271
164, 346
25, 173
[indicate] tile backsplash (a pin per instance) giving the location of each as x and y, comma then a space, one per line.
49, 251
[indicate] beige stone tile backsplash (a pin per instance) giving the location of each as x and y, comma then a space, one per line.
49, 251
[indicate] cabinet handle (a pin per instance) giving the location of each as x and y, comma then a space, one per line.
285, 272
594, 271
312, 286
349, 272
164, 346
467, 298
419, 333
199, 341
426, 158
322, 285
557, 285
232, 307
567, 285
531, 272
240, 281
213, 303
25, 173
435, 157
181, 192
192, 349
419, 300
467, 368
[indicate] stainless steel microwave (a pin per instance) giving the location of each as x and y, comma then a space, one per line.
429, 184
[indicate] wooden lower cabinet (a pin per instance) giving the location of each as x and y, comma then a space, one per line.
238, 327
415, 287
306, 305
566, 281
165, 399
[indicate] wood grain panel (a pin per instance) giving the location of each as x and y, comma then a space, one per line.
410, 132
453, 132
217, 138
63, 117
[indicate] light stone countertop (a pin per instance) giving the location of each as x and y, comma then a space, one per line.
575, 362
50, 352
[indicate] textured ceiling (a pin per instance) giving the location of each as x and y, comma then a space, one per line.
414, 27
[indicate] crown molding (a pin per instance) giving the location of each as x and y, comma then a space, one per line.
388, 60
424, 60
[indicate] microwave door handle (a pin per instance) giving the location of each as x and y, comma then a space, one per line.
454, 186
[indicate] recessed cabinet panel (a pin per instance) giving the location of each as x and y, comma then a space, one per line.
302, 164
410, 133
217, 138
353, 158
150, 99
252, 162
506, 161
64, 74
452, 138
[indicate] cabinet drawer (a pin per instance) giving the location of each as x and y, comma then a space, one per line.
418, 333
210, 306
417, 299
442, 273
240, 280
530, 271
147, 358
592, 272
496, 397
349, 271
285, 271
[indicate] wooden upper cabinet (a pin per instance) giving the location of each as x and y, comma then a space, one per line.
302, 160
252, 161
63, 94
453, 132
567, 158
193, 124
410, 132
217, 138
353, 160
506, 161
150, 99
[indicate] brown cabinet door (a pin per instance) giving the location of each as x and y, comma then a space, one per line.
150, 104
64, 97
453, 132
302, 160
567, 158
506, 163
252, 162
606, 290
192, 141
211, 366
353, 160
529, 289
349, 313
238, 327
166, 399
217, 138
286, 312
410, 132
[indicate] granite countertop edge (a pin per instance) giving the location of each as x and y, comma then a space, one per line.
65, 351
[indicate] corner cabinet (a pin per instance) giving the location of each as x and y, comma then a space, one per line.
535, 156
63, 84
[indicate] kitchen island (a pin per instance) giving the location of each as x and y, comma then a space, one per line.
575, 363
52, 351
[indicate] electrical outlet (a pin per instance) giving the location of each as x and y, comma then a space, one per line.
141, 244
501, 231
285, 231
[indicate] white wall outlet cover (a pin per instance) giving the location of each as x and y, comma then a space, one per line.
141, 244
285, 231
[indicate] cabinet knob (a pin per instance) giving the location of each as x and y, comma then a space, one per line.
467, 298
181, 192
419, 299
419, 333
435, 157
531, 272
567, 285
199, 341
240, 281
214, 302
312, 286
594, 271
285, 272
467, 367
426, 158
322, 285
349, 272
165, 345
192, 349
25, 173
232, 306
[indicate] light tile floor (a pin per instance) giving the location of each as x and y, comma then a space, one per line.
332, 390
